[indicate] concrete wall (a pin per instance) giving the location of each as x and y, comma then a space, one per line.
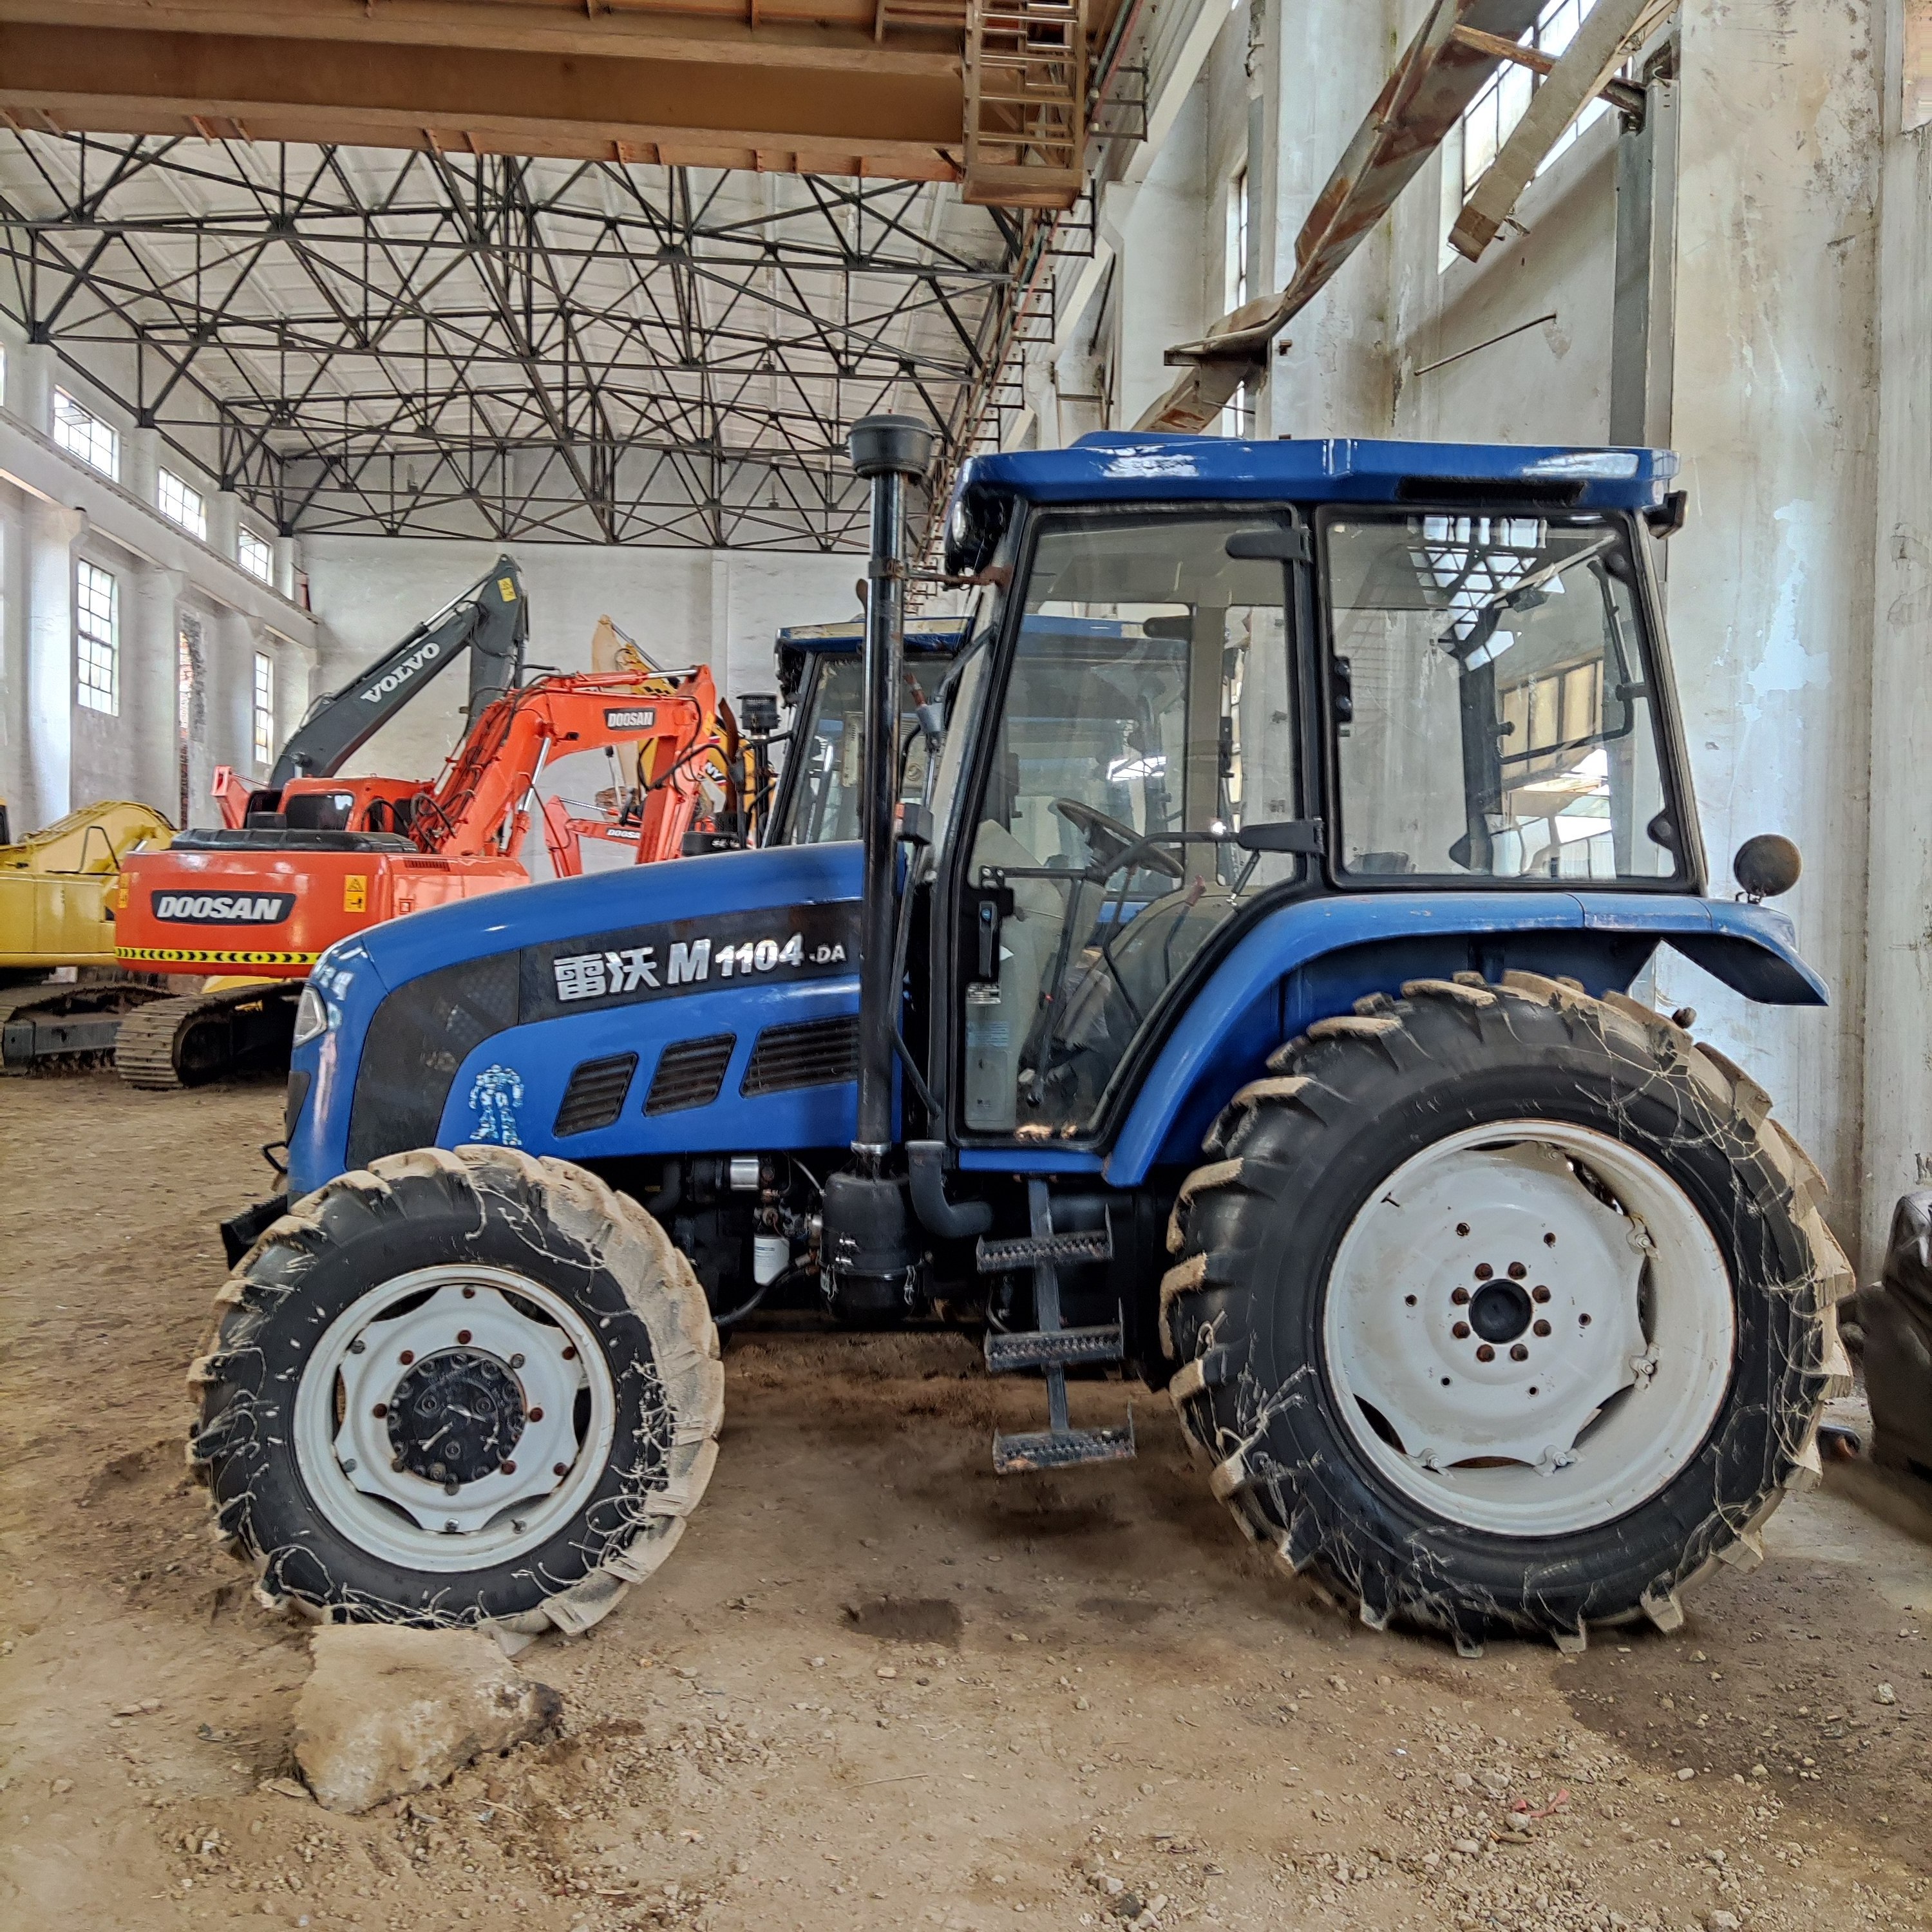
1897, 1093
1775, 376
683, 606
56, 513
1771, 582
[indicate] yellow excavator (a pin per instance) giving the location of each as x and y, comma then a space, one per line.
57, 891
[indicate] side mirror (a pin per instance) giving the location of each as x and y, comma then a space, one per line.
1767, 867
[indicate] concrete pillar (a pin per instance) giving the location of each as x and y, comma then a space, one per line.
224, 521
141, 463
1336, 378
1162, 252
14, 545
30, 385
52, 531
150, 660
288, 564
1771, 582
1897, 1146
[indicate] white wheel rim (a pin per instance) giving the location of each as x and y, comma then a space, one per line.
1613, 1382
383, 1361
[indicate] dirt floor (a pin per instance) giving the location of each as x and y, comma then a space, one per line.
876, 1686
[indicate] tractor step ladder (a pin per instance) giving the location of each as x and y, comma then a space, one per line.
1051, 1347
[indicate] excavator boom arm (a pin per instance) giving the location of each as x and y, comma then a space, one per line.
482, 794
490, 620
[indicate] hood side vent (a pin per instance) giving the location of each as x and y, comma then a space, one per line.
689, 1073
811, 1053
594, 1097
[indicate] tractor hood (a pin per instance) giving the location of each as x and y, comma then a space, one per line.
698, 992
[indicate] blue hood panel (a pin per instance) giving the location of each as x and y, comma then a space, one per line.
621, 963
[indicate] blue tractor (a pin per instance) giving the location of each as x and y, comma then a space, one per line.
1213, 955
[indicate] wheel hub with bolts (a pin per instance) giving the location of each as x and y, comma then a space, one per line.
455, 1417
1534, 1325
440, 1416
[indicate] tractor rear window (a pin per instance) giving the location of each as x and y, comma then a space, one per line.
1493, 704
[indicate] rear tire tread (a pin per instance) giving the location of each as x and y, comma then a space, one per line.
1264, 1136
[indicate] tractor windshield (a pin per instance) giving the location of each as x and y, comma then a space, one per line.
1493, 705
821, 803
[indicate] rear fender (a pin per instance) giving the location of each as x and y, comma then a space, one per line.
1318, 956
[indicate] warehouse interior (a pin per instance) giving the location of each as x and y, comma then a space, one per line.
309, 314
633, 373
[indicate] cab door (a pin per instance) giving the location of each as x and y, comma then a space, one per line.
1138, 789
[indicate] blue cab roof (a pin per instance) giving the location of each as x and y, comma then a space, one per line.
922, 634
1120, 466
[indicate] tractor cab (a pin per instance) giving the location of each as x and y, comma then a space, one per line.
1316, 674
821, 679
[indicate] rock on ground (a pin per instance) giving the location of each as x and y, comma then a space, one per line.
387, 1710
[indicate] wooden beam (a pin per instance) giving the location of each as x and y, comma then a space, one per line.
783, 34
131, 82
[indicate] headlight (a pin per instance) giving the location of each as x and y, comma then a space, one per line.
311, 1017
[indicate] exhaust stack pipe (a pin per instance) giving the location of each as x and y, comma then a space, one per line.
869, 1249
887, 451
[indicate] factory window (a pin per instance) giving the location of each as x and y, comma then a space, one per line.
265, 709
97, 638
183, 505
1491, 117
82, 433
255, 556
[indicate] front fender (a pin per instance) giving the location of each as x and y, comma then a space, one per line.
1318, 956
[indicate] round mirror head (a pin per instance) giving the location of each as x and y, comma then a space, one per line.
1767, 866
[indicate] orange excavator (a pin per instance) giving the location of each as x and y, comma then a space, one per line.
315, 859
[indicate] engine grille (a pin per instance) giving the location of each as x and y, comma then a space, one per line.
594, 1097
811, 1053
689, 1073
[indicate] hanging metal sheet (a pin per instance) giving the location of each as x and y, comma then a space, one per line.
1437, 78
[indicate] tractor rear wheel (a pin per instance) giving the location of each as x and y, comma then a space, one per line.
458, 1388
1504, 1309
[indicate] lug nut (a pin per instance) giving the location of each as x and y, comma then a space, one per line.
569, 1353
1539, 1293
408, 1356
450, 1488
449, 1528
1461, 1331
536, 1415
507, 1469
469, 1294
1459, 1296
1540, 1328
381, 1409
349, 1465
1519, 1353
1462, 1228
1486, 1354
560, 1468
1483, 1270
1517, 1270
356, 1347
462, 1335
517, 1361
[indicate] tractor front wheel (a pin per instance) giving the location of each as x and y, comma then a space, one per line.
1504, 1309
467, 1388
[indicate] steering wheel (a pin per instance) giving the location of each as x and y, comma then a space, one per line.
1108, 840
